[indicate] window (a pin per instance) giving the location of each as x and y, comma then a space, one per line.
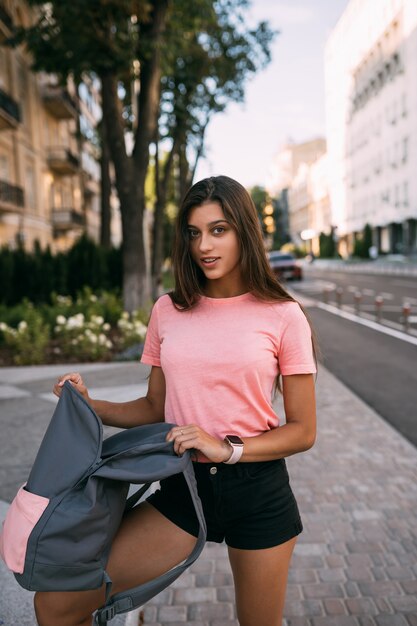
405, 150
405, 193
30, 188
4, 168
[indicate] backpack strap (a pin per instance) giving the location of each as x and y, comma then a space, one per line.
137, 596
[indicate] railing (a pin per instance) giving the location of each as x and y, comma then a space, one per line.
11, 194
64, 219
9, 105
63, 155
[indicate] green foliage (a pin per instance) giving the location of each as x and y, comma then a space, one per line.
327, 245
89, 327
29, 340
362, 243
37, 275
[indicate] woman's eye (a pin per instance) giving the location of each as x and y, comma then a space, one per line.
219, 230
192, 234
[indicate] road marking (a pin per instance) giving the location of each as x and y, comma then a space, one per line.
386, 296
368, 292
368, 323
352, 289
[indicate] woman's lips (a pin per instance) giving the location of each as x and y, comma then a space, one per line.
209, 261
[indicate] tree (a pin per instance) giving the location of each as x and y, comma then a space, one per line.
260, 200
111, 39
213, 54
207, 53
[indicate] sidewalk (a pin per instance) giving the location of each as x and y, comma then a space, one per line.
355, 564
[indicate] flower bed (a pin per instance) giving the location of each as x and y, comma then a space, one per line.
88, 328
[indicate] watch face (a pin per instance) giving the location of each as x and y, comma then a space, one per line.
234, 439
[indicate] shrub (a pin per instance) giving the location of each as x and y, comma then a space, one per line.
29, 340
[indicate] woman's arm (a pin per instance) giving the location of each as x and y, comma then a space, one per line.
297, 435
144, 410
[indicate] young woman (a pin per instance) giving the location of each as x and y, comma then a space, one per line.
218, 345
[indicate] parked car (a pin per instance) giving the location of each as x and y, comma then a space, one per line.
285, 265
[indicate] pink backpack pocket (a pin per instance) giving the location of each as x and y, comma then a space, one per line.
22, 516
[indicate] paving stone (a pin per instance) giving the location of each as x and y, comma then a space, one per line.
195, 594
383, 588
209, 612
404, 604
323, 590
308, 608
391, 620
360, 606
225, 594
172, 614
302, 576
359, 573
340, 620
334, 607
332, 575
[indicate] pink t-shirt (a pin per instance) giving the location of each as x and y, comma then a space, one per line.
220, 360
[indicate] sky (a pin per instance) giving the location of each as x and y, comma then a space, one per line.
283, 102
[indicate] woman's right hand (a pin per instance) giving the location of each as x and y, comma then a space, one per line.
76, 381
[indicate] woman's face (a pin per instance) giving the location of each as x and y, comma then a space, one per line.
214, 245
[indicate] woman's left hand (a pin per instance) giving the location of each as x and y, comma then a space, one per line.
192, 437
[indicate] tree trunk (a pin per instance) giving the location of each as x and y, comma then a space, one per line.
198, 153
158, 224
184, 172
105, 191
148, 108
134, 266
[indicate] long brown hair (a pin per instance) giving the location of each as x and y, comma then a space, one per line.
240, 211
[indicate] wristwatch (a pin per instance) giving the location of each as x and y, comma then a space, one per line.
236, 444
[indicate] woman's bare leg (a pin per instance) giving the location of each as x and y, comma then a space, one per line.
146, 545
260, 578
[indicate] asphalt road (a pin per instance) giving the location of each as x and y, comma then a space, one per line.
379, 368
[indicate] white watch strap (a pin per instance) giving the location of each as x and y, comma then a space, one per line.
236, 454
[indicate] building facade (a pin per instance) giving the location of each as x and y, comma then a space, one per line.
371, 118
293, 172
49, 171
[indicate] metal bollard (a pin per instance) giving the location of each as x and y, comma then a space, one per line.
358, 299
339, 294
379, 301
406, 316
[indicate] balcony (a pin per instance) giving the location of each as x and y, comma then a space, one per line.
91, 185
58, 102
64, 220
9, 112
63, 162
12, 198
6, 23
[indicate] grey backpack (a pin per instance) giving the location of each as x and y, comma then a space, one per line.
59, 528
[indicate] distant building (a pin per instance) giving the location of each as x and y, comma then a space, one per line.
371, 117
291, 184
49, 171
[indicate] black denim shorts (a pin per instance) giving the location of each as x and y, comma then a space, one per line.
249, 505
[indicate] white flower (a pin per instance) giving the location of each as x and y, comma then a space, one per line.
109, 344
106, 327
76, 321
102, 339
125, 315
22, 326
60, 319
93, 298
4, 327
97, 319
